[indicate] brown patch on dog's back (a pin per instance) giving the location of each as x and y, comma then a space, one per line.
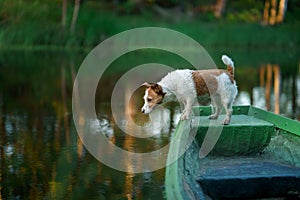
206, 82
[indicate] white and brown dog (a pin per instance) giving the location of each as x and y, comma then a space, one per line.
186, 85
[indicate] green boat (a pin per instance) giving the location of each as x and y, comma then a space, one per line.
257, 156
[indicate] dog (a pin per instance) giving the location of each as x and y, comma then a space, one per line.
185, 85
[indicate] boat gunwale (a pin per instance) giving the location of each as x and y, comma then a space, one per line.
279, 121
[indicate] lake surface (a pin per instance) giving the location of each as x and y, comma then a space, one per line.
41, 153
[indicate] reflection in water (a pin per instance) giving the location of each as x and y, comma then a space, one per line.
103, 126
276, 93
271, 71
243, 98
42, 156
128, 191
159, 122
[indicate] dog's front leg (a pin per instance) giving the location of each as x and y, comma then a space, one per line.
187, 109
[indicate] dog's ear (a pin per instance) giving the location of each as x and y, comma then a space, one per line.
146, 84
157, 88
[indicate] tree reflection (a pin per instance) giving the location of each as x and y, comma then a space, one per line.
42, 156
271, 71
278, 92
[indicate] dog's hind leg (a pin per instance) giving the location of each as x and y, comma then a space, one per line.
228, 109
227, 101
216, 103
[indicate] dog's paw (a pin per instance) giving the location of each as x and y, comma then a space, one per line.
184, 117
226, 122
213, 117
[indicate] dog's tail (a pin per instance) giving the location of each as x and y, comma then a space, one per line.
230, 65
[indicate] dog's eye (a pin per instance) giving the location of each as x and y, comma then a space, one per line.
149, 99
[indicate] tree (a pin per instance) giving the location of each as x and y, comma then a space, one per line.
273, 12
64, 14
219, 8
281, 11
216, 8
75, 15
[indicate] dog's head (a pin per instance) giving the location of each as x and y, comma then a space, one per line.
154, 95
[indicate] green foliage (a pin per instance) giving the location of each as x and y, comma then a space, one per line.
38, 23
244, 11
252, 15
293, 11
29, 23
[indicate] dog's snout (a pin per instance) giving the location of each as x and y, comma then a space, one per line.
143, 110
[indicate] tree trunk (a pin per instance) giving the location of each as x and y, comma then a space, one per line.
219, 8
273, 12
266, 13
75, 15
64, 14
281, 11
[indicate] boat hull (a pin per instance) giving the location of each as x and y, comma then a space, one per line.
234, 168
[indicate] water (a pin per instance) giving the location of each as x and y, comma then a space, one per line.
41, 154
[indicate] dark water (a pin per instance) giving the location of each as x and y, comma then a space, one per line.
41, 154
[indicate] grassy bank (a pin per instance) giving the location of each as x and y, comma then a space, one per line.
93, 26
